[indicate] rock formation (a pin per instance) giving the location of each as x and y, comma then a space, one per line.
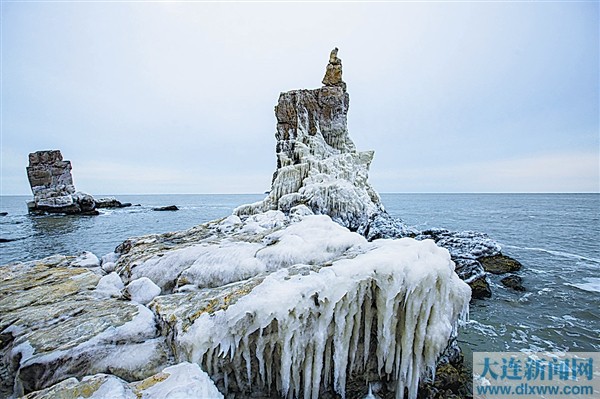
317, 162
52, 186
333, 73
53, 189
111, 202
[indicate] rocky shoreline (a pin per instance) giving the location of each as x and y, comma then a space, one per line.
315, 291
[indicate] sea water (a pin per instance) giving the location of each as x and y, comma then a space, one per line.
554, 236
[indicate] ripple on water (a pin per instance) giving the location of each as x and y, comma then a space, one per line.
590, 284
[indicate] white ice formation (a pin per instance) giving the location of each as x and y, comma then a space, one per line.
301, 330
297, 304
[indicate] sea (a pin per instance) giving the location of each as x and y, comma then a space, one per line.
555, 236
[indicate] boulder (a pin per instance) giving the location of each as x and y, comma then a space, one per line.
500, 264
166, 208
111, 202
513, 281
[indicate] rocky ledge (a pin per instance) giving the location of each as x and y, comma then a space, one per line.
314, 292
53, 189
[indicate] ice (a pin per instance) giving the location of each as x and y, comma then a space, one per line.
142, 290
131, 357
221, 264
109, 267
185, 380
112, 388
164, 270
313, 240
294, 332
109, 286
86, 259
109, 257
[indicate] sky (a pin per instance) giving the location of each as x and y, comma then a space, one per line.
178, 97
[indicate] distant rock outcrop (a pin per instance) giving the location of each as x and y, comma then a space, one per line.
166, 208
52, 186
111, 202
53, 189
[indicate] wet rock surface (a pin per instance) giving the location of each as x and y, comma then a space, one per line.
166, 208
513, 281
500, 264
111, 202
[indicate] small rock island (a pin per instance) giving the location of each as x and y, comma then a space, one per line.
53, 190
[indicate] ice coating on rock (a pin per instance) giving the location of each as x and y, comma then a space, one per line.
52, 186
142, 290
181, 381
109, 286
312, 240
184, 380
403, 291
317, 162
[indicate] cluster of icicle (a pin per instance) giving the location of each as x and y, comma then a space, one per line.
336, 186
395, 304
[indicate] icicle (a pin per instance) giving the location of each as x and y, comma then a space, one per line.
397, 290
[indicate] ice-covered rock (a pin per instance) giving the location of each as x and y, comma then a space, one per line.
400, 296
86, 259
53, 189
109, 286
53, 326
142, 290
52, 186
181, 381
319, 168
317, 162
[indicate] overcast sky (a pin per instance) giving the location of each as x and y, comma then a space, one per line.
178, 97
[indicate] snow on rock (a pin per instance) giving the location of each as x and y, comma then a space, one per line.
181, 381
142, 290
312, 240
109, 257
403, 291
109, 286
86, 259
54, 325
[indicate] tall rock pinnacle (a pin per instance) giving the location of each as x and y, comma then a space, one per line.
52, 186
317, 162
333, 73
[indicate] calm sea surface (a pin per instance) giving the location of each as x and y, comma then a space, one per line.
555, 236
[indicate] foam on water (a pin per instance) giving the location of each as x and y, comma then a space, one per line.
556, 253
591, 284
